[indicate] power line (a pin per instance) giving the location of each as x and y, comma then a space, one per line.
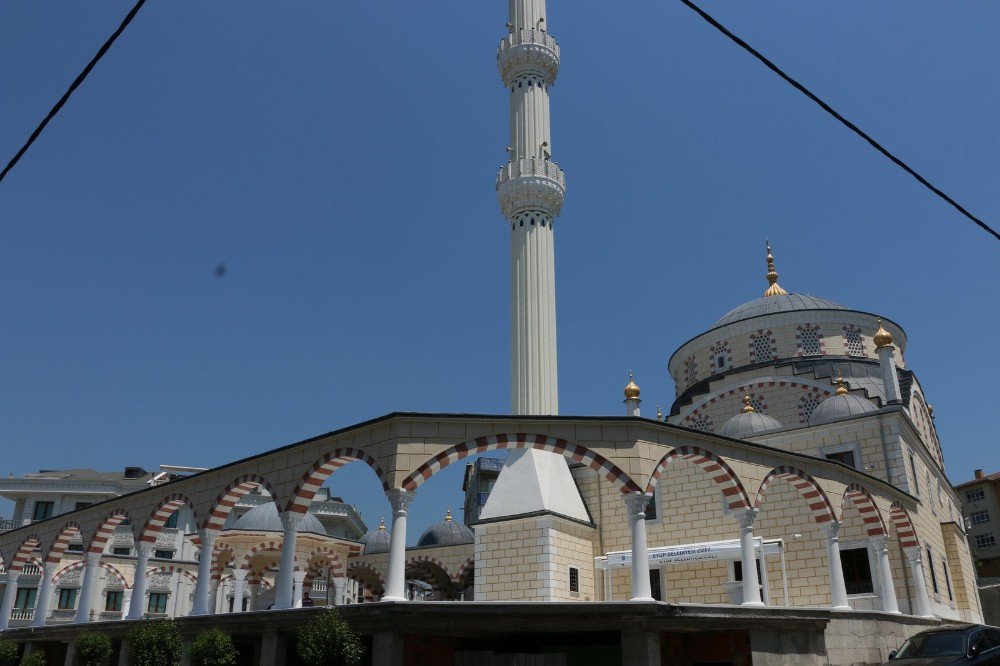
73, 86
854, 128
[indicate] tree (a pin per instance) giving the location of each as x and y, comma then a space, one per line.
8, 652
213, 647
154, 643
36, 658
328, 641
92, 648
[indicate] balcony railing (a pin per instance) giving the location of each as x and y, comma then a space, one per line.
22, 614
6, 524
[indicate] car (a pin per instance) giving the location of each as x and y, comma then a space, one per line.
969, 644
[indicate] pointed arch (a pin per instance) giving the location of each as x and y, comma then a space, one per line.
169, 504
70, 531
433, 572
107, 529
716, 468
321, 470
330, 555
819, 503
521, 440
24, 553
232, 494
905, 531
218, 563
870, 515
81, 564
371, 581
262, 547
171, 569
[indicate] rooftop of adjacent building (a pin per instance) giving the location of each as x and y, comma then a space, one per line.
981, 477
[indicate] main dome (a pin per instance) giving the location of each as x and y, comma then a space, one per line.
264, 518
780, 303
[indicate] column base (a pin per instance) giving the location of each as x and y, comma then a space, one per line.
642, 599
754, 604
392, 599
841, 608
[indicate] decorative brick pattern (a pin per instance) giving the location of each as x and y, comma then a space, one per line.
854, 344
715, 467
862, 499
904, 527
107, 530
690, 371
263, 547
722, 356
464, 576
169, 569
809, 340
76, 566
68, 533
231, 495
819, 504
24, 552
701, 422
370, 579
162, 513
329, 555
808, 404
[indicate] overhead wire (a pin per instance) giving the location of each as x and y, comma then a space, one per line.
72, 87
833, 112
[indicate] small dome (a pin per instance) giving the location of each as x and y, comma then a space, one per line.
376, 541
631, 389
841, 406
447, 533
264, 518
882, 337
749, 424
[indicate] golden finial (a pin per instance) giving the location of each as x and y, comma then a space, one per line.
747, 407
381, 524
841, 389
631, 389
772, 275
659, 414
447, 516
882, 337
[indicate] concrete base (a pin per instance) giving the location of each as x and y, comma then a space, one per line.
640, 647
387, 648
273, 649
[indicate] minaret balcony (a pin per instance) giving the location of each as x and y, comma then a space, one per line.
528, 51
531, 184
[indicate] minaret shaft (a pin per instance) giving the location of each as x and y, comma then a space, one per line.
534, 377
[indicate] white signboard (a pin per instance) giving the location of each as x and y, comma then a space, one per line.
692, 552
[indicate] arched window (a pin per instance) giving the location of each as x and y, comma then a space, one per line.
853, 344
690, 370
763, 347
721, 356
701, 422
809, 340
807, 404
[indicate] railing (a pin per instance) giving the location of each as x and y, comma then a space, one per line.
531, 166
6, 524
22, 614
31, 570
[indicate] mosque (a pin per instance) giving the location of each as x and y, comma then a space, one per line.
796, 484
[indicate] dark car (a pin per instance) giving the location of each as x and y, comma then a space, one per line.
973, 644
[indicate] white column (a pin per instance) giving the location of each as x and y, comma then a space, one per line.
890, 378
44, 594
126, 601
239, 577
881, 546
748, 558
923, 602
213, 597
85, 602
8, 598
299, 577
632, 407
636, 505
254, 593
339, 586
838, 590
204, 583
290, 522
138, 607
396, 579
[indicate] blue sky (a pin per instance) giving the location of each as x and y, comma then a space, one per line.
340, 158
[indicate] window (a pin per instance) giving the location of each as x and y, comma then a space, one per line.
690, 370
25, 598
121, 551
844, 457
916, 479
574, 579
74, 548
762, 347
720, 362
809, 340
163, 554
157, 602
947, 578
738, 571
985, 540
979, 517
975, 495
651, 508
113, 601
656, 590
43, 510
67, 598
930, 562
852, 341
857, 570
172, 520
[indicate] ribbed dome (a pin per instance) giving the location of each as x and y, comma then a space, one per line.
264, 518
447, 533
840, 407
780, 303
376, 541
749, 424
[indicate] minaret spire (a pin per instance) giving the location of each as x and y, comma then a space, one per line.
772, 275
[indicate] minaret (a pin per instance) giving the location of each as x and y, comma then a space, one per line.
530, 190
884, 349
632, 399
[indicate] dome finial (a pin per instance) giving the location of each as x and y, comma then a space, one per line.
882, 337
841, 389
772, 275
381, 524
447, 516
659, 414
631, 389
747, 407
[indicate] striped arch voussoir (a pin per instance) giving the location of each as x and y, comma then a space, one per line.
870, 515
24, 551
159, 518
233, 493
904, 526
263, 547
321, 470
106, 530
82, 563
819, 504
66, 534
716, 468
331, 556
521, 440
354, 568
468, 567
169, 569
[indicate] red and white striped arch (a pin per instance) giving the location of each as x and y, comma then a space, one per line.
170, 569
467, 569
162, 513
222, 554
23, 554
905, 531
233, 493
819, 503
262, 547
69, 531
328, 554
433, 572
368, 577
870, 515
321, 470
82, 563
521, 440
715, 467
107, 530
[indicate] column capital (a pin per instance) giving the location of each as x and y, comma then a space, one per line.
240, 574
400, 499
144, 549
208, 536
636, 503
290, 520
50, 568
745, 517
913, 554
92, 559
880, 542
831, 530
298, 576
